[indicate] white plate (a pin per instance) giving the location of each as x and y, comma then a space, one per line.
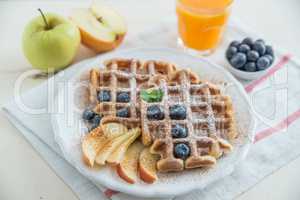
246, 75
68, 128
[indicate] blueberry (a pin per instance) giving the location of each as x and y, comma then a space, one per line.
178, 131
154, 112
235, 44
123, 97
263, 63
123, 112
260, 41
259, 47
238, 60
249, 41
252, 55
231, 51
96, 120
93, 126
177, 112
181, 151
104, 95
88, 114
269, 50
250, 67
271, 58
244, 48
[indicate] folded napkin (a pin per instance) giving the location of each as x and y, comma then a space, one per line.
275, 98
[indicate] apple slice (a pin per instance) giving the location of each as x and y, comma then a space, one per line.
102, 29
110, 147
90, 145
112, 130
128, 168
94, 141
117, 156
147, 166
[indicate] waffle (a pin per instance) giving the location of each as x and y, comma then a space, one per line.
128, 76
209, 122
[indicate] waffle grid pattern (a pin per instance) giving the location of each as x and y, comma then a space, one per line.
210, 107
123, 75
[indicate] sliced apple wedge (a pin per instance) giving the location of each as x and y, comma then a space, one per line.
113, 130
147, 166
102, 29
128, 168
90, 145
110, 147
117, 156
96, 139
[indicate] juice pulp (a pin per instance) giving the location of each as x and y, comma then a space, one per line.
201, 22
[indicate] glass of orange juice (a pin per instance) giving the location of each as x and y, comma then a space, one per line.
201, 23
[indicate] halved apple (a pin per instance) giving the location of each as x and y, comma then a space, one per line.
102, 29
147, 166
128, 168
96, 139
117, 156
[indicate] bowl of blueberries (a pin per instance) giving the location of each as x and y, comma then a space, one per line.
249, 59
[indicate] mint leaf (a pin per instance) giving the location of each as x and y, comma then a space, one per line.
152, 95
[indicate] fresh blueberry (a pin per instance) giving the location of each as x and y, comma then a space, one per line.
231, 51
104, 95
123, 97
235, 44
252, 56
96, 120
238, 60
269, 50
259, 47
88, 114
123, 112
178, 131
263, 63
250, 67
271, 58
181, 151
93, 126
177, 112
244, 48
155, 112
249, 41
260, 41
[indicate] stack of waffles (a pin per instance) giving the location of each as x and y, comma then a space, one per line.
189, 105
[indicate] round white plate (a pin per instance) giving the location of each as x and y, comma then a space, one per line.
69, 128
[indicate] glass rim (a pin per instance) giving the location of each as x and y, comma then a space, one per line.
211, 11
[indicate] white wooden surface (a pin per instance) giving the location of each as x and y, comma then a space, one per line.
24, 174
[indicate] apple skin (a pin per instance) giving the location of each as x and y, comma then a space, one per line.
52, 49
100, 46
126, 177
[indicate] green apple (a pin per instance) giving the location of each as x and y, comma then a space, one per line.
50, 42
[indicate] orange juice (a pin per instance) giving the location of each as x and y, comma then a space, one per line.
201, 22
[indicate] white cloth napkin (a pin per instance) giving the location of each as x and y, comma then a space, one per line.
276, 110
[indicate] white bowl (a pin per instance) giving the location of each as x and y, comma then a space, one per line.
246, 75
69, 135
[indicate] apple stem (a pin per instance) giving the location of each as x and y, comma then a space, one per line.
100, 19
44, 18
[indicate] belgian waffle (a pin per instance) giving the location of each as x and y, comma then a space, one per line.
209, 122
124, 75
